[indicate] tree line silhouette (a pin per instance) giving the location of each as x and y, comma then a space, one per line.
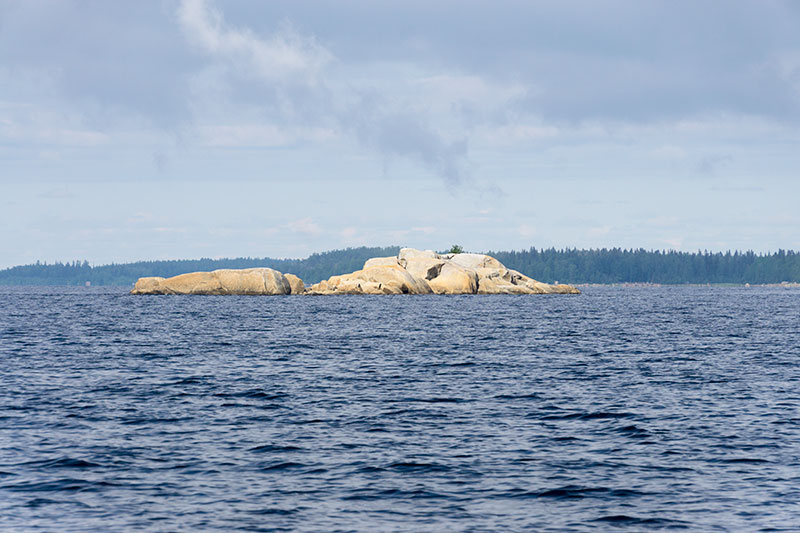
569, 265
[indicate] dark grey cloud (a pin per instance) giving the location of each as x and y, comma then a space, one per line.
584, 60
622, 60
291, 77
575, 61
104, 58
406, 135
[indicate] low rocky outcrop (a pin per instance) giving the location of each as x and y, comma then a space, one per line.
382, 279
410, 272
254, 281
425, 272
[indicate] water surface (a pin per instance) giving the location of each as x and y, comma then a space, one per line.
640, 409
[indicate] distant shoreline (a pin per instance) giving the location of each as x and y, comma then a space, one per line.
638, 285
623, 284
572, 266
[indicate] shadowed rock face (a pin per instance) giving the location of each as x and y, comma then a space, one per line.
424, 272
411, 272
255, 281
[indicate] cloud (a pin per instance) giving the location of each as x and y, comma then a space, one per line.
301, 84
305, 226
709, 164
160, 160
24, 124
524, 230
262, 135
102, 62
456, 89
674, 242
598, 231
285, 55
668, 152
426, 230
348, 232
409, 136
61, 193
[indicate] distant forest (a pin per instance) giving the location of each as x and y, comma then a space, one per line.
311, 269
566, 266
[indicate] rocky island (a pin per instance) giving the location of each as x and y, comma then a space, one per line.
410, 272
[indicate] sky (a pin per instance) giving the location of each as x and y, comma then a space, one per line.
170, 129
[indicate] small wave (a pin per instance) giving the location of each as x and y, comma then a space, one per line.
58, 485
286, 465
309, 421
272, 448
151, 420
744, 460
370, 469
274, 511
38, 502
532, 396
601, 415
633, 431
187, 381
622, 519
437, 400
63, 462
394, 494
253, 393
417, 412
790, 421
571, 492
419, 467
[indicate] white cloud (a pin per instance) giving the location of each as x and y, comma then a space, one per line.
426, 230
524, 230
61, 193
668, 151
31, 125
305, 226
349, 232
598, 231
300, 83
448, 92
281, 56
263, 135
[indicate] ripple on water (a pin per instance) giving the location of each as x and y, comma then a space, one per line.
641, 409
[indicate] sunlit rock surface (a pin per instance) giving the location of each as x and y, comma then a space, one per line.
411, 272
424, 271
255, 281
388, 279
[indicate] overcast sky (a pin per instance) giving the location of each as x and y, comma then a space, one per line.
183, 129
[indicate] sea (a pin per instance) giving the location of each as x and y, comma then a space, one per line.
622, 408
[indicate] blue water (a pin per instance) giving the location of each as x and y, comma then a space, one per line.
638, 408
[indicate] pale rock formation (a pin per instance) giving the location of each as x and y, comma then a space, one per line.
296, 284
389, 279
411, 272
453, 279
424, 271
381, 261
253, 281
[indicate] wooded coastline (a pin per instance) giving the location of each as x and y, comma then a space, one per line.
595, 266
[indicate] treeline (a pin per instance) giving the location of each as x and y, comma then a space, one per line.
653, 266
311, 269
614, 265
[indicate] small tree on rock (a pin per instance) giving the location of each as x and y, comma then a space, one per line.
456, 249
